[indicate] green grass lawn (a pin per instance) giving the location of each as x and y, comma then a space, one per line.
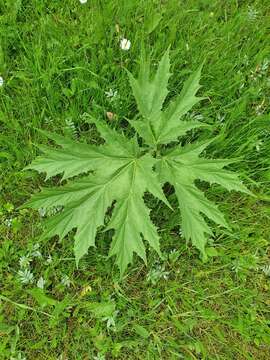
59, 60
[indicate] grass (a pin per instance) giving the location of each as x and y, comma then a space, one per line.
57, 62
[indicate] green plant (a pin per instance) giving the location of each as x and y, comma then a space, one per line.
118, 173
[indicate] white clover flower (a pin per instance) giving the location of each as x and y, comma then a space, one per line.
24, 261
26, 277
1, 81
41, 283
125, 44
83, 1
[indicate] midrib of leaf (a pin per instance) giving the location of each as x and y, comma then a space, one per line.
111, 180
125, 255
152, 131
118, 173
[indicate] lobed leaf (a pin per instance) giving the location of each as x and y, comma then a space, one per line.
117, 174
84, 202
169, 127
164, 127
76, 158
150, 95
181, 166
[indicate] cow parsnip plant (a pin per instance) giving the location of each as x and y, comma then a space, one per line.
116, 175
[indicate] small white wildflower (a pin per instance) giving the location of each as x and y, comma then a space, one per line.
83, 1
41, 283
49, 259
24, 261
1, 81
26, 277
125, 44
65, 281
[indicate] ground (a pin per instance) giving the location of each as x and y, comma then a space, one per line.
59, 60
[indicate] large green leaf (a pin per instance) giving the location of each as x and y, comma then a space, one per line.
169, 126
181, 167
161, 127
150, 95
114, 176
74, 160
84, 202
